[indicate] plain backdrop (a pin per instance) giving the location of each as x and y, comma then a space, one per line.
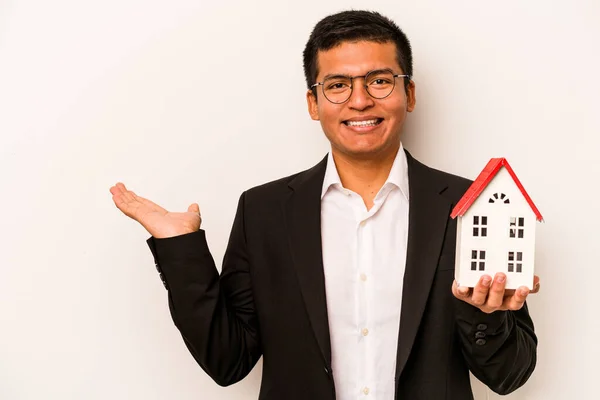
195, 101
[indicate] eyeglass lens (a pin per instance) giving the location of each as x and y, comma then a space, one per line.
379, 84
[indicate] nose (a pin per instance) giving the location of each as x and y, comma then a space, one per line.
360, 99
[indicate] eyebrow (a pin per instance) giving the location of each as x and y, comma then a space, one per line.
337, 76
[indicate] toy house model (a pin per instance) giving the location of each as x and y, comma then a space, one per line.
496, 228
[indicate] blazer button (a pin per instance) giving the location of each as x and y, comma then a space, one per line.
481, 327
480, 342
479, 335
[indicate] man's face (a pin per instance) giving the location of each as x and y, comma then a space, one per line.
365, 142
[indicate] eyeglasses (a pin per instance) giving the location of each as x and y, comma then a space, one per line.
378, 83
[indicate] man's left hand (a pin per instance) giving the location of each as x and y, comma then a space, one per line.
489, 294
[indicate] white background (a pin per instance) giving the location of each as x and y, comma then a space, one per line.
195, 101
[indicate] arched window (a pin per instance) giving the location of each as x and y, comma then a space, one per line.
499, 198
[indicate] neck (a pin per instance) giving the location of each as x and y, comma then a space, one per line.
364, 176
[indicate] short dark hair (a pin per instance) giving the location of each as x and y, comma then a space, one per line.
353, 26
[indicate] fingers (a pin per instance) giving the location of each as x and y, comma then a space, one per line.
128, 202
117, 189
461, 292
152, 205
536, 284
157, 221
491, 295
488, 295
516, 301
480, 291
496, 295
123, 199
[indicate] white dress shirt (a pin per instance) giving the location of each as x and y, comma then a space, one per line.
364, 257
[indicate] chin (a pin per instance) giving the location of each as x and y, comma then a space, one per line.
362, 151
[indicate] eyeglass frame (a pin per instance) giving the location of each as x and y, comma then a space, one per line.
314, 86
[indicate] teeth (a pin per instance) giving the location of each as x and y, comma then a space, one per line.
371, 122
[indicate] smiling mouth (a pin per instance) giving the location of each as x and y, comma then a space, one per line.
370, 122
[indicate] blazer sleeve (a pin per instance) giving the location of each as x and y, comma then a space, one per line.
214, 314
499, 348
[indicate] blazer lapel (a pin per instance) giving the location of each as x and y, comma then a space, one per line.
303, 219
428, 216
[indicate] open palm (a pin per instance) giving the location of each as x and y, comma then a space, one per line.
159, 222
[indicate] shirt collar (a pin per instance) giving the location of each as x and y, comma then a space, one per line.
398, 174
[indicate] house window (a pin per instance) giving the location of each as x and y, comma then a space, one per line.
517, 227
479, 226
500, 198
515, 261
478, 260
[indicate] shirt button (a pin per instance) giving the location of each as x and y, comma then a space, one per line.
480, 342
481, 327
366, 390
363, 277
365, 332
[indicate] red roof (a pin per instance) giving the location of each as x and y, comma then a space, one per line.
484, 178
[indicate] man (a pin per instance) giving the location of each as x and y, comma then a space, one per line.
341, 276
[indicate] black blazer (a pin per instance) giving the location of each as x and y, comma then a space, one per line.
270, 298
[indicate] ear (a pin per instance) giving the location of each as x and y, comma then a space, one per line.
313, 107
411, 99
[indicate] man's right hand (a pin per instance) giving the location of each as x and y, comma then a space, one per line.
159, 222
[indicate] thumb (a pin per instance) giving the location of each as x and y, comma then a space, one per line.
194, 208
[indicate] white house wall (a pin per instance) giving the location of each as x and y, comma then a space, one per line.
497, 243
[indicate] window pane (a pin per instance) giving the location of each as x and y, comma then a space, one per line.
519, 265
511, 256
483, 231
521, 221
475, 231
475, 220
483, 220
473, 265
519, 256
482, 255
513, 220
481, 265
512, 232
520, 233
511, 267
474, 254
